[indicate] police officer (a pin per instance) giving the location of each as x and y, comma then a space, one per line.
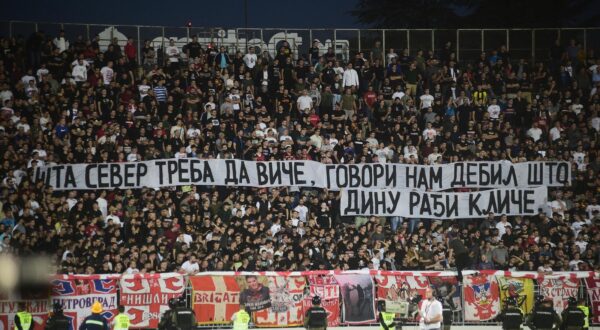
544, 317
95, 321
241, 319
182, 317
573, 318
23, 319
447, 316
58, 320
121, 321
386, 319
165, 321
316, 316
586, 312
511, 317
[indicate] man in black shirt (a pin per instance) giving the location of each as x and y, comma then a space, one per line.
193, 49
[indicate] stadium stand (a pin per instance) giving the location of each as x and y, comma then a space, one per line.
68, 101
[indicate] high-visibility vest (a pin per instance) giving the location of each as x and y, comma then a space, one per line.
586, 311
388, 318
25, 319
121, 322
242, 318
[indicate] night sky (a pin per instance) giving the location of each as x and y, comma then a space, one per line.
219, 13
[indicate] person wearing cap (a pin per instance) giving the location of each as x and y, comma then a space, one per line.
241, 319
316, 316
544, 317
121, 321
57, 320
573, 318
386, 319
430, 312
95, 321
511, 317
23, 319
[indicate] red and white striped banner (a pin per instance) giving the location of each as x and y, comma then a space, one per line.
593, 289
327, 288
146, 298
559, 290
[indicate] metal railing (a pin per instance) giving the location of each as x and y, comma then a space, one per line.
467, 44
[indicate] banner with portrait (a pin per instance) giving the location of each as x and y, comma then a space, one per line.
358, 297
271, 300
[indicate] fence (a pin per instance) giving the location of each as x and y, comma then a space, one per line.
279, 299
531, 44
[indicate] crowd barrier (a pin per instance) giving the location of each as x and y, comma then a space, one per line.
467, 44
279, 299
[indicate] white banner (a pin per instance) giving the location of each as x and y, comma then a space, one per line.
559, 290
220, 172
440, 205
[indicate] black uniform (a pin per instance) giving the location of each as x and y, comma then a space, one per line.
447, 316
544, 318
58, 322
316, 318
183, 318
165, 321
512, 318
91, 323
573, 318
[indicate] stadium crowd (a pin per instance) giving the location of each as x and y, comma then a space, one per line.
66, 101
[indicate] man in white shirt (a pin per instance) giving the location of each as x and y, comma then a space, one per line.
592, 206
494, 110
79, 71
250, 58
398, 94
61, 42
172, 53
430, 312
114, 217
555, 131
107, 73
429, 133
426, 100
102, 203
434, 156
302, 210
191, 266
535, 132
42, 71
350, 78
28, 77
501, 226
304, 102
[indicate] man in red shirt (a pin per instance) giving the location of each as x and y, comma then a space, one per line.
370, 97
130, 52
